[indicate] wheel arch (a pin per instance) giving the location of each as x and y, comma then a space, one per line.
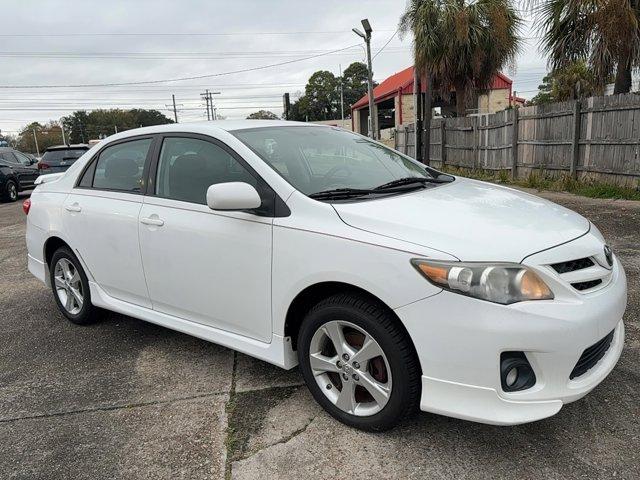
311, 295
52, 244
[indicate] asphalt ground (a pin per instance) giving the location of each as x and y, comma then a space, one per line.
127, 399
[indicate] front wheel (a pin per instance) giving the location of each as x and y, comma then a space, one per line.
71, 287
358, 363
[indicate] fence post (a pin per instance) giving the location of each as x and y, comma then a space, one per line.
476, 141
443, 142
406, 140
575, 141
514, 145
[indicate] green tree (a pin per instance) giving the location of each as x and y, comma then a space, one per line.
263, 115
76, 126
462, 43
82, 126
605, 33
573, 81
323, 96
354, 83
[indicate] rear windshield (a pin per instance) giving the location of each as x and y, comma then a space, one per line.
70, 155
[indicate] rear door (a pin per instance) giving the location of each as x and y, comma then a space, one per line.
101, 218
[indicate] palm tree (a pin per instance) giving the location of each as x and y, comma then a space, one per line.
462, 43
606, 33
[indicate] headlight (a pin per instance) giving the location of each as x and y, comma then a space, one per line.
503, 283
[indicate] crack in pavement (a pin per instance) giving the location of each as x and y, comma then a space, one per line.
284, 440
107, 408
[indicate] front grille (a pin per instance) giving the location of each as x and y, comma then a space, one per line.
591, 356
586, 285
572, 265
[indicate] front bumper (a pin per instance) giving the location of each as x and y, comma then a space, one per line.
459, 341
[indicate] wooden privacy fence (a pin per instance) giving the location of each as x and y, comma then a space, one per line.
596, 138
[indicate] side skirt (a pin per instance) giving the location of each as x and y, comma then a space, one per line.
278, 352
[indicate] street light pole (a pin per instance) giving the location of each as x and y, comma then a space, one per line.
35, 139
373, 117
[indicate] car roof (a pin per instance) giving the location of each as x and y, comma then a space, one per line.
211, 127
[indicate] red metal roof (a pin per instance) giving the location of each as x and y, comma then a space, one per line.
403, 81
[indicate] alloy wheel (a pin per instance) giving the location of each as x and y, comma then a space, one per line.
350, 368
68, 286
13, 191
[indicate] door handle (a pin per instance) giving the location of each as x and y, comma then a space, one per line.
74, 207
155, 221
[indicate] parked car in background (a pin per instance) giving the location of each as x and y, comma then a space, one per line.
393, 285
18, 172
60, 157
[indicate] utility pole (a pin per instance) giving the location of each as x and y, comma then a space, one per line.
341, 96
175, 112
35, 139
206, 99
366, 36
64, 140
214, 110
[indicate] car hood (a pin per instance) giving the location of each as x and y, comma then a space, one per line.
471, 220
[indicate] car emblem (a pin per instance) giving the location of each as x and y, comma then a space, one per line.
608, 254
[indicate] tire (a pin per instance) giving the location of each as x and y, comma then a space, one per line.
10, 191
80, 313
395, 373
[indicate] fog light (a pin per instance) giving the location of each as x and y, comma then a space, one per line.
516, 373
512, 376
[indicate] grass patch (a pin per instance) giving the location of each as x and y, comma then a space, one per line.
246, 412
564, 183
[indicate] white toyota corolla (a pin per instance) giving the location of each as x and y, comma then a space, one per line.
392, 285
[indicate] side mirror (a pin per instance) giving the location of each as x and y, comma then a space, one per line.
232, 196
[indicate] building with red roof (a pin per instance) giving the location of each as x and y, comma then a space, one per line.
393, 100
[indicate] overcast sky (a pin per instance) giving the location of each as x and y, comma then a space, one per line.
79, 42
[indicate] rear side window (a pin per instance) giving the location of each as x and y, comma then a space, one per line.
188, 167
120, 166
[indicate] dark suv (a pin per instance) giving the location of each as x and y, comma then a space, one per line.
17, 173
59, 158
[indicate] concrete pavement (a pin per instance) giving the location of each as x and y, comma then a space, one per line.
127, 399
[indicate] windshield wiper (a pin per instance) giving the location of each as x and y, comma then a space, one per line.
340, 193
408, 181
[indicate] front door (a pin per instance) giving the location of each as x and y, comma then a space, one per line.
101, 218
209, 267
28, 172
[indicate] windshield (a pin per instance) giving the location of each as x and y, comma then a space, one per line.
316, 159
59, 155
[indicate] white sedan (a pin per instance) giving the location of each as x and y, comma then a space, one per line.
392, 285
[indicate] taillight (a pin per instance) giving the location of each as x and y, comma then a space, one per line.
42, 166
26, 206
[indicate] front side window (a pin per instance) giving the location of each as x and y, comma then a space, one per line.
120, 166
315, 159
189, 166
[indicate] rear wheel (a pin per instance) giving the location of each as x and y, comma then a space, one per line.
10, 191
358, 364
71, 287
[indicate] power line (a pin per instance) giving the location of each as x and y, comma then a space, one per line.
194, 77
177, 34
384, 46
